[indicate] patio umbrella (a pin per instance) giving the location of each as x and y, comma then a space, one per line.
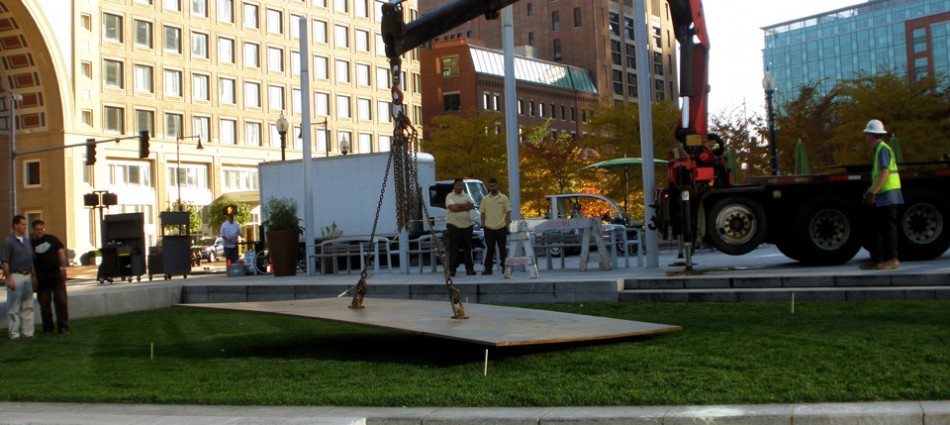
624, 164
731, 163
896, 146
801, 159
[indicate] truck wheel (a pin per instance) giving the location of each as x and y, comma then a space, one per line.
788, 248
825, 232
736, 225
923, 232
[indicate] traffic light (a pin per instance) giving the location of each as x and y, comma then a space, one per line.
90, 151
143, 144
230, 210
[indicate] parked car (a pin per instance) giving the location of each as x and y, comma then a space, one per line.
211, 251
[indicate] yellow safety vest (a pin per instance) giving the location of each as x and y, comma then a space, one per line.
894, 178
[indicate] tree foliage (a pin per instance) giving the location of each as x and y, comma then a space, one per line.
744, 136
216, 215
468, 145
194, 215
549, 165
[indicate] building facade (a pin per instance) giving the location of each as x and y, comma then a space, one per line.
597, 35
461, 76
908, 37
221, 70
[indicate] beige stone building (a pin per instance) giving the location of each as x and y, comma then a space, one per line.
223, 70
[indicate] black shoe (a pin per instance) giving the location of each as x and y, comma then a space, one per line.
486, 273
470, 273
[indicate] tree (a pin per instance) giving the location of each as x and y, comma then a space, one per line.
549, 165
468, 145
811, 117
216, 213
194, 215
744, 136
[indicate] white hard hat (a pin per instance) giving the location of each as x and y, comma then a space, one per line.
875, 127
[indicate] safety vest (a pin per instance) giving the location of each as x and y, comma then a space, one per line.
893, 179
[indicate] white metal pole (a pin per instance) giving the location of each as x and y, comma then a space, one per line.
14, 98
646, 130
307, 160
511, 117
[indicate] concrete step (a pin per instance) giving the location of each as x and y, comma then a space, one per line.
850, 293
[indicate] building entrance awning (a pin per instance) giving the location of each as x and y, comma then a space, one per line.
250, 197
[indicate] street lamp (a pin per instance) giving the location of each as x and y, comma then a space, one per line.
326, 135
14, 98
344, 144
768, 83
282, 126
181, 207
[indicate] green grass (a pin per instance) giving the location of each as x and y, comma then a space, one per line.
727, 353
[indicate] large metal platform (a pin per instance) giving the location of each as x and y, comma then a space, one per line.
489, 325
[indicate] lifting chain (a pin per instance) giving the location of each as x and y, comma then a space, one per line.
403, 160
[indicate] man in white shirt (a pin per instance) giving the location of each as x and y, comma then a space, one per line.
230, 231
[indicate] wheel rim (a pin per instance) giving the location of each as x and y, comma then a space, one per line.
923, 223
736, 224
829, 229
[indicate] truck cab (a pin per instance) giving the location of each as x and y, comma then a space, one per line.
438, 190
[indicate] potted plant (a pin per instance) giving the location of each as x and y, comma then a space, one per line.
283, 234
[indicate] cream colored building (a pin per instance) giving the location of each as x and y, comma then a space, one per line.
223, 70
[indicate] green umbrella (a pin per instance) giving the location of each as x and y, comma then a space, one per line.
624, 164
801, 159
896, 146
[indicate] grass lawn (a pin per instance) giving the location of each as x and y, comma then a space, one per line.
727, 353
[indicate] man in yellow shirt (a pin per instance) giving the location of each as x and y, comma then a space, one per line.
496, 216
458, 227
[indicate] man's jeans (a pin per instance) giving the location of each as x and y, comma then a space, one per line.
20, 306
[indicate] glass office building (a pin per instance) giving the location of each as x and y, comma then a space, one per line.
908, 37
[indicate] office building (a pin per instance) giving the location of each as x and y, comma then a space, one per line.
221, 70
908, 37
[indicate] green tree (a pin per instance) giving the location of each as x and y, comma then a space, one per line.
549, 165
194, 215
744, 135
216, 214
811, 117
468, 145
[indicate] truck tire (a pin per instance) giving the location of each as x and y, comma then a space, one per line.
923, 232
788, 248
736, 225
826, 232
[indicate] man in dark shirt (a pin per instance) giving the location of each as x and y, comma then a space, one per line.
50, 265
17, 257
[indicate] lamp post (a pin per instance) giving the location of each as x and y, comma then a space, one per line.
344, 145
326, 135
181, 207
14, 98
768, 83
282, 126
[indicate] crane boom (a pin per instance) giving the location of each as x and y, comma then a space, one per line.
401, 37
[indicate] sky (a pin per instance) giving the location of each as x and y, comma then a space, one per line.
736, 42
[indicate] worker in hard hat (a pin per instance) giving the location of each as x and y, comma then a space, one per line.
885, 198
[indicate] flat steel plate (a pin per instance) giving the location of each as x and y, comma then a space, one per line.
490, 325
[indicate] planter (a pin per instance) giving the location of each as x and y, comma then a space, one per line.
283, 251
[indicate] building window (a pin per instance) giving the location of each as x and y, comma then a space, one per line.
657, 38
199, 45
531, 39
341, 36
173, 39
143, 34
614, 23
199, 87
295, 63
296, 99
144, 79
225, 50
173, 126
201, 127
362, 75
563, 117
577, 17
112, 74
340, 6
382, 78
252, 94
557, 50
342, 71
252, 57
250, 16
113, 120
450, 66
360, 9
112, 27
659, 90
530, 9
130, 174
86, 21
172, 5
240, 179
380, 45
31, 173
364, 109
657, 63
225, 11
275, 22
615, 55
199, 8
275, 98
631, 84
226, 91
362, 40
628, 28
252, 133
320, 68
496, 102
319, 31
631, 56
145, 121
452, 101
342, 106
520, 107
172, 83
87, 117
227, 131
385, 112
275, 59
555, 20
321, 104
294, 25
